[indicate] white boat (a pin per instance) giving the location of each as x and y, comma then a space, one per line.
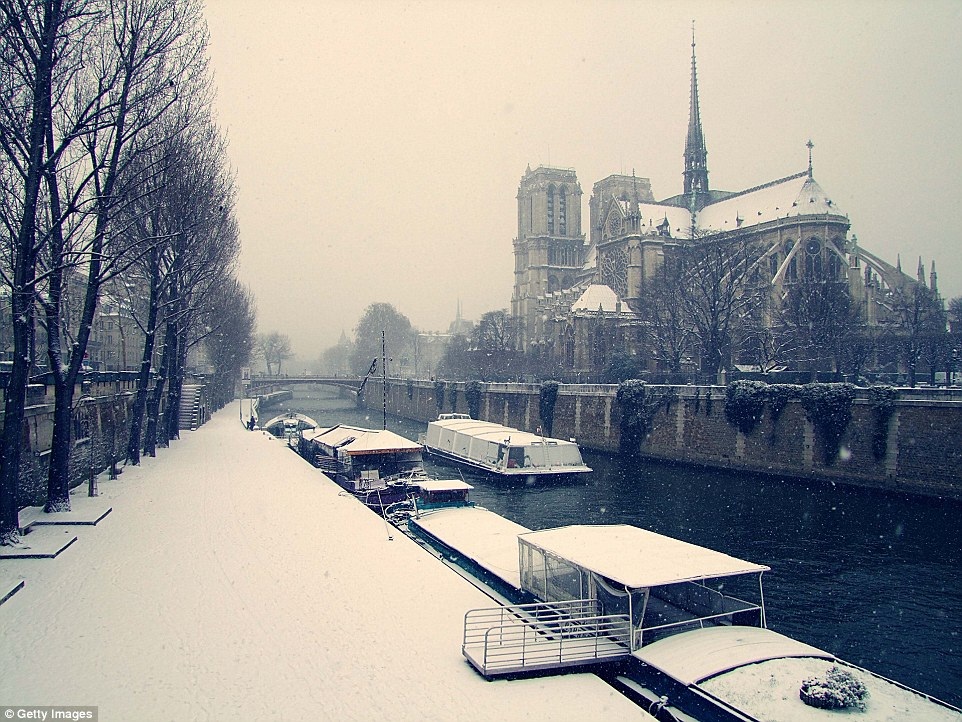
682, 628
501, 450
376, 465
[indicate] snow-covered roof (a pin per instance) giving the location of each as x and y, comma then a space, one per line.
595, 296
355, 440
637, 557
700, 653
486, 538
443, 485
797, 195
490, 431
679, 219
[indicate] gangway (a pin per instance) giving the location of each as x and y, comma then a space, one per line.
544, 635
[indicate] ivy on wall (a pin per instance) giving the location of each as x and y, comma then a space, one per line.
439, 395
778, 397
472, 394
638, 404
744, 404
546, 402
829, 409
883, 400
410, 386
453, 394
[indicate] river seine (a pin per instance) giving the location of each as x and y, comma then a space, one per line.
874, 578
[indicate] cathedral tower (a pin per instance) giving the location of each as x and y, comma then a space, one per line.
549, 247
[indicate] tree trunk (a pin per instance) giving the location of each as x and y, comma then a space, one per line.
24, 274
58, 476
143, 377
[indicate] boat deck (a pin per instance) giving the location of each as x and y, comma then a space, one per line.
536, 637
488, 539
690, 657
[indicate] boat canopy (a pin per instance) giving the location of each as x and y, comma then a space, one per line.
633, 557
435, 485
496, 433
356, 441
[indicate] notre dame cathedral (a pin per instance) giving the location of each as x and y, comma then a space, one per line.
577, 299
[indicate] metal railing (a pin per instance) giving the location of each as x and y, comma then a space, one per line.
527, 637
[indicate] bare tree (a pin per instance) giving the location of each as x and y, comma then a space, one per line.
919, 316
36, 63
816, 318
667, 327
148, 47
719, 292
276, 349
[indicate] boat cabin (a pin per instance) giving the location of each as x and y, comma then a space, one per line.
439, 493
663, 585
500, 449
366, 457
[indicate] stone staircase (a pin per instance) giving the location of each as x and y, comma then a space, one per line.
191, 410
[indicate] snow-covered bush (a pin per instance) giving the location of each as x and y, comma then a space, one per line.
883, 400
836, 689
472, 394
546, 401
744, 404
829, 409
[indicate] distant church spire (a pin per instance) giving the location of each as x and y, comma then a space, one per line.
696, 156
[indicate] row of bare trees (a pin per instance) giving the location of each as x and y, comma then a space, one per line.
114, 186
710, 301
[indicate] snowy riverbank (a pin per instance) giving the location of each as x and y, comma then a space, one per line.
231, 581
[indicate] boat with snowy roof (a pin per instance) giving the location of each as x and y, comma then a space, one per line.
501, 450
375, 465
677, 627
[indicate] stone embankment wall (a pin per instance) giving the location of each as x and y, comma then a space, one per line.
923, 445
100, 432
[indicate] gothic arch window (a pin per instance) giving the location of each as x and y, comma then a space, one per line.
813, 259
599, 347
791, 273
551, 217
834, 267
773, 264
568, 341
563, 210
552, 284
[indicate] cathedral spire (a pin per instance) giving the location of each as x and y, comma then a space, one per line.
696, 156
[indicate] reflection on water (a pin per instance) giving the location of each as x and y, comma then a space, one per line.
873, 578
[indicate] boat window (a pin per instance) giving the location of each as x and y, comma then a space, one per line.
562, 580
516, 457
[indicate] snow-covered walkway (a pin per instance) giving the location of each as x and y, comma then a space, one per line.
232, 581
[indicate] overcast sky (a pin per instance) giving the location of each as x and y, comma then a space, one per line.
378, 146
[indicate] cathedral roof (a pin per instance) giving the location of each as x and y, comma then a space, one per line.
797, 195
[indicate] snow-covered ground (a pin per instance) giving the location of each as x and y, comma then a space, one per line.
232, 581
